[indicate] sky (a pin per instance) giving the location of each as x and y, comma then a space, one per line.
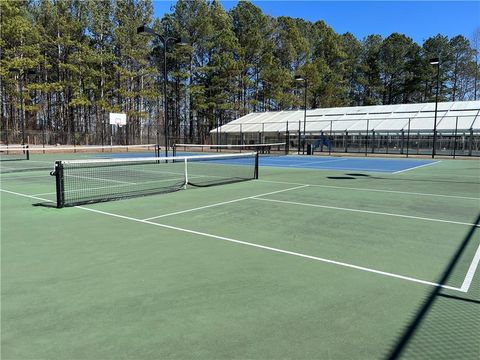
416, 19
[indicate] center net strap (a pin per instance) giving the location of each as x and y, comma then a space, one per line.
96, 180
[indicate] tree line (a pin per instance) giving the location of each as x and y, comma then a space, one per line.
66, 64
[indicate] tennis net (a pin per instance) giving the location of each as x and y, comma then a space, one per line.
14, 152
42, 158
267, 148
97, 180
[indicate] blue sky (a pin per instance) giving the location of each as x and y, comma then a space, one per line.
416, 19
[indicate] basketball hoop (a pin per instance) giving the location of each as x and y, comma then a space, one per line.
118, 119
118, 122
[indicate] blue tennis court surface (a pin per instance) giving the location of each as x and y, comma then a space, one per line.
345, 163
383, 165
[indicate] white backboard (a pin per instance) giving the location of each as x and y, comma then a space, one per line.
118, 119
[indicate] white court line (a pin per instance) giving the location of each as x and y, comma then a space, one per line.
339, 263
223, 203
316, 162
373, 190
335, 168
416, 167
368, 212
5, 177
471, 271
5, 172
101, 179
52, 163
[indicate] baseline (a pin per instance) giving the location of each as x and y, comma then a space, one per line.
416, 167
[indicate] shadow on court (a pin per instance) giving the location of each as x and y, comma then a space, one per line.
341, 177
46, 204
442, 318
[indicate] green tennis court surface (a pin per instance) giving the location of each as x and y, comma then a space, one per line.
302, 264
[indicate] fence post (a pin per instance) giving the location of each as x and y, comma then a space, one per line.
408, 136
287, 140
455, 137
346, 141
299, 126
418, 142
402, 142
330, 139
6, 131
218, 135
388, 141
43, 134
366, 140
373, 141
470, 143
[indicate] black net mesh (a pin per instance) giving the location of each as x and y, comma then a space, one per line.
13, 153
89, 181
43, 158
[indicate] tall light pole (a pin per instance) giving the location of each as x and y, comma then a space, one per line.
164, 39
435, 61
305, 81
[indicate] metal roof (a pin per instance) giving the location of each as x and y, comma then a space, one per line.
419, 117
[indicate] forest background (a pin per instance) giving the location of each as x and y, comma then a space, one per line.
66, 64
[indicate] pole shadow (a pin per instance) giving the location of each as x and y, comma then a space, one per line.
419, 317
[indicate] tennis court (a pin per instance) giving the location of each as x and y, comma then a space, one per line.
320, 257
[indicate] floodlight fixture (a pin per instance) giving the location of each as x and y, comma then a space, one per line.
436, 62
300, 78
144, 29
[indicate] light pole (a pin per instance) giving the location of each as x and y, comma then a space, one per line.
164, 39
305, 81
435, 61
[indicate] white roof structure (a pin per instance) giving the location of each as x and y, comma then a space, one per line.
381, 118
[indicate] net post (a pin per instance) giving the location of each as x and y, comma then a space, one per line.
186, 174
255, 176
59, 183
174, 150
27, 153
